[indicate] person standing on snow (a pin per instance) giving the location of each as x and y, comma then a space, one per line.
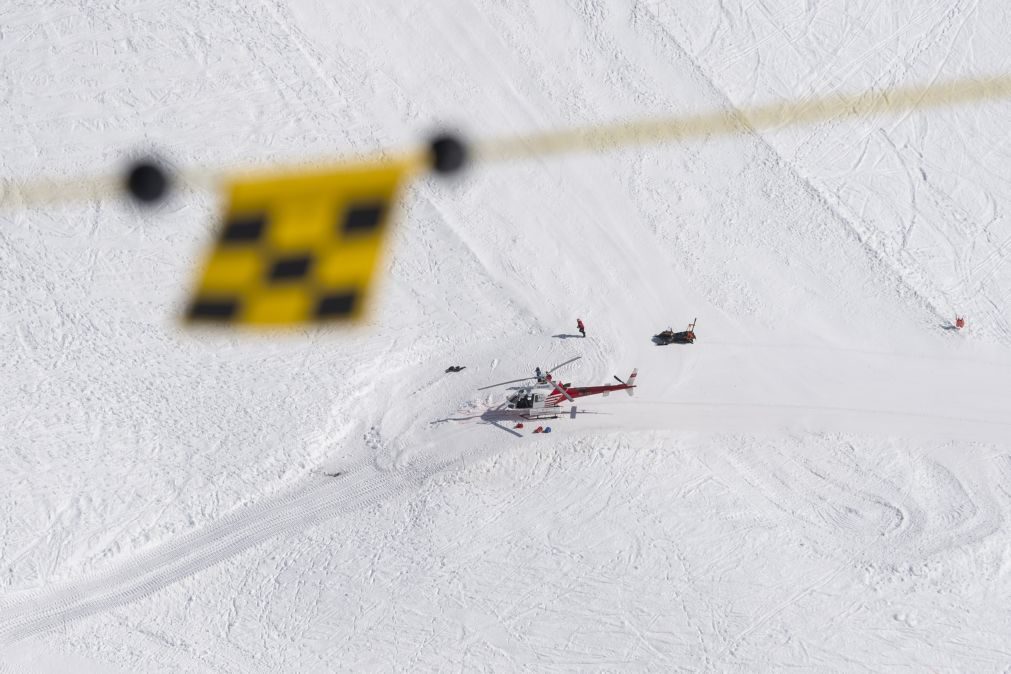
581, 327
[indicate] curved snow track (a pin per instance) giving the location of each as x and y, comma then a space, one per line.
307, 503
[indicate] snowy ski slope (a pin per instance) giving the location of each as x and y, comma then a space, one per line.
823, 480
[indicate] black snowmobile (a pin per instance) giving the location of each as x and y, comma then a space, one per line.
668, 336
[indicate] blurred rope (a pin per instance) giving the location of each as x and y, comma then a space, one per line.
41, 192
743, 120
591, 139
48, 191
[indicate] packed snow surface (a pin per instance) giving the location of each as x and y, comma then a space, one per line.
823, 480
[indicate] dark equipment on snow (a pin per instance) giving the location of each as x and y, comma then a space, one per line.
668, 336
455, 368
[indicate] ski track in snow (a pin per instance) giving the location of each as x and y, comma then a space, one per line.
313, 500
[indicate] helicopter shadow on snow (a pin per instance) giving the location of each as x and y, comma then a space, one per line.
494, 416
497, 416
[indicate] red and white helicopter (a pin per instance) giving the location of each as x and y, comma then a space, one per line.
545, 396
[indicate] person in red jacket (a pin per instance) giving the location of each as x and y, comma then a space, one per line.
580, 327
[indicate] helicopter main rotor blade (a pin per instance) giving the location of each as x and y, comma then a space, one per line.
571, 360
503, 383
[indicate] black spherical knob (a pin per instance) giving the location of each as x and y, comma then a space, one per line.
146, 181
449, 154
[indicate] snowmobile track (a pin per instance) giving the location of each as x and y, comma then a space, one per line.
309, 503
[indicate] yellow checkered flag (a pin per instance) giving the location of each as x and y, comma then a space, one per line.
299, 248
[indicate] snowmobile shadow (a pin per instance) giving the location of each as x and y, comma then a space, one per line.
565, 336
659, 340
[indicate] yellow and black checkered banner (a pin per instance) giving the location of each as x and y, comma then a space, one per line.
299, 248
